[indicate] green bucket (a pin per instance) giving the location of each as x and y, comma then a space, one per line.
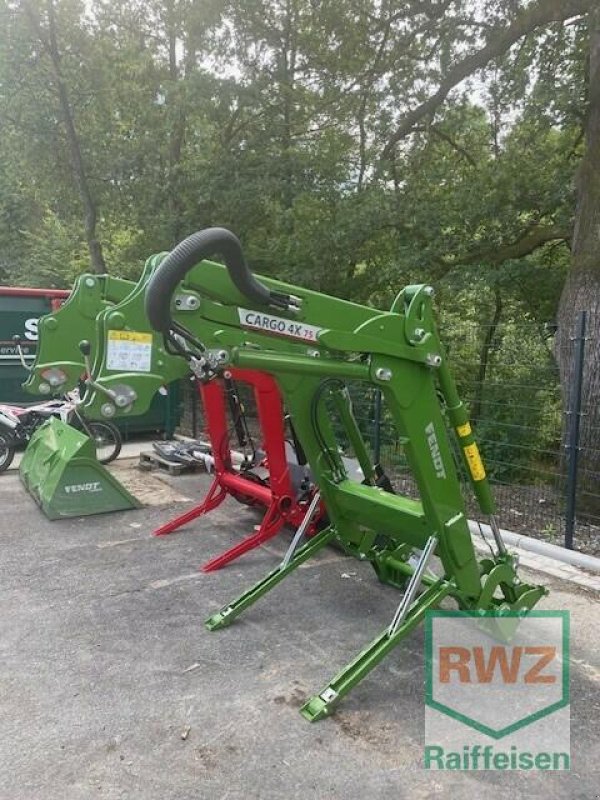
61, 472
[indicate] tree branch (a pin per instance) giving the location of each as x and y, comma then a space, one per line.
540, 13
534, 237
449, 140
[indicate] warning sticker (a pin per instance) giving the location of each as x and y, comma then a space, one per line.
278, 325
464, 430
129, 351
474, 461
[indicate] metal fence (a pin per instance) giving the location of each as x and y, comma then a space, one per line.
537, 436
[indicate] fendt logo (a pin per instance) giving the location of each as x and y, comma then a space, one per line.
492, 677
434, 449
75, 488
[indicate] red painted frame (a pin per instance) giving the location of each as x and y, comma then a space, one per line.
278, 498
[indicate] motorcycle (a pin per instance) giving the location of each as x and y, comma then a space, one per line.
18, 424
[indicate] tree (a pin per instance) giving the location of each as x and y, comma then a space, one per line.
353, 146
582, 287
44, 28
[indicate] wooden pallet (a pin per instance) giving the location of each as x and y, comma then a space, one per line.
150, 459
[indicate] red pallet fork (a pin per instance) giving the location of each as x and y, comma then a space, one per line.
284, 505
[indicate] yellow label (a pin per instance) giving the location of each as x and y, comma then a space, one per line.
464, 430
474, 461
130, 336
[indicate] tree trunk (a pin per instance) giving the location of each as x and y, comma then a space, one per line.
286, 87
49, 42
484, 357
90, 211
582, 289
177, 110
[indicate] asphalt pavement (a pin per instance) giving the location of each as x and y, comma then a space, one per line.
111, 687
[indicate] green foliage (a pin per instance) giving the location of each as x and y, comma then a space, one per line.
270, 117
57, 255
519, 419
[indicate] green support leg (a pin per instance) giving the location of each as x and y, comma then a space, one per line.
322, 704
229, 612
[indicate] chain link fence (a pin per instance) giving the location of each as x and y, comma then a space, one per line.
537, 435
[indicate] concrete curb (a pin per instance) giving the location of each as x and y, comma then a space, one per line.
523, 542
565, 564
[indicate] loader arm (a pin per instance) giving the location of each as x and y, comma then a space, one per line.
58, 364
129, 361
315, 345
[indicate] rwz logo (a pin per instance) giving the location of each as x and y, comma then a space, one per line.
498, 673
510, 664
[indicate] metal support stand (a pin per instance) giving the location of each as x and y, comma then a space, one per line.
302, 528
323, 703
413, 585
228, 613
497, 535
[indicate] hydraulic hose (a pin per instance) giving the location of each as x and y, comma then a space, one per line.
187, 254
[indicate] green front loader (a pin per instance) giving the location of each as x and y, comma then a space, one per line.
316, 347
